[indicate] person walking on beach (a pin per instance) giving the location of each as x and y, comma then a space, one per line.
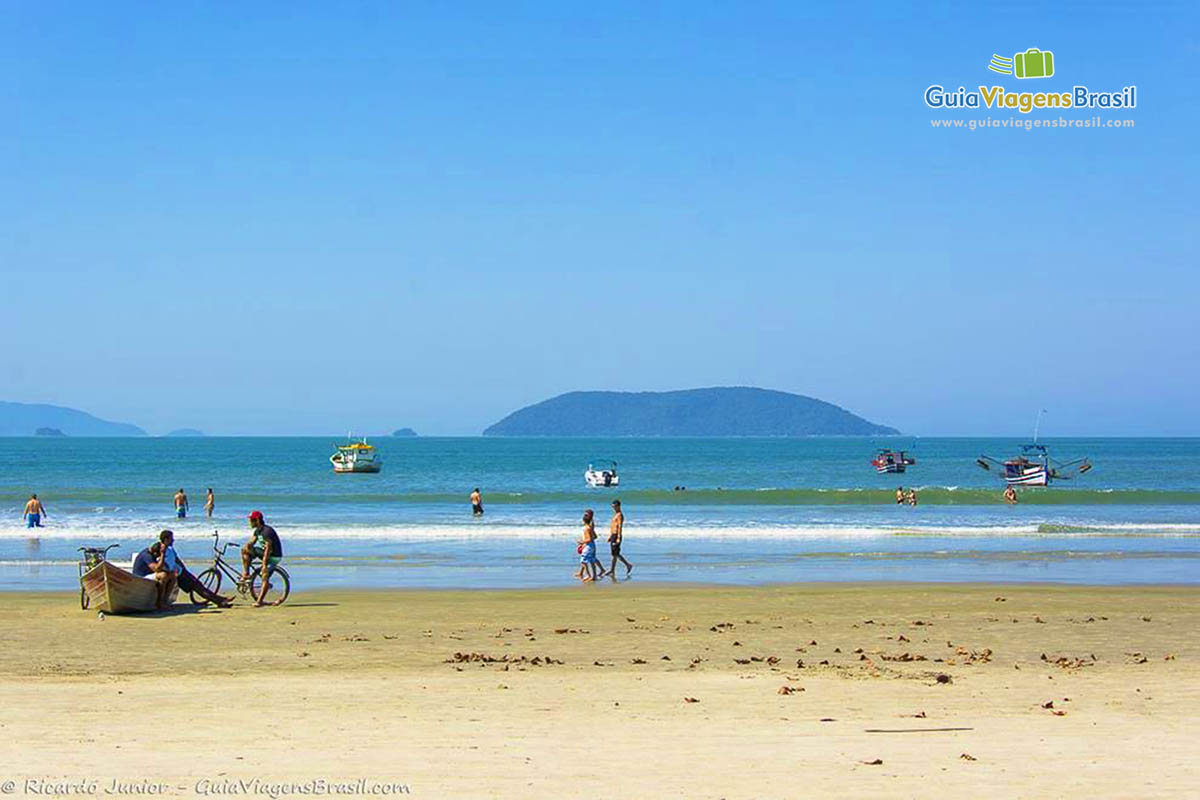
616, 535
181, 504
1010, 496
477, 503
34, 511
589, 565
210, 502
264, 544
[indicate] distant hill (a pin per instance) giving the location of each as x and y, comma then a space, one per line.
404, 432
23, 419
48, 432
722, 411
185, 432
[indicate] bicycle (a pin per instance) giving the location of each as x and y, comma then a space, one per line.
92, 556
278, 587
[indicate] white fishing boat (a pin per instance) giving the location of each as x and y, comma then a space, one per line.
1034, 466
602, 478
356, 456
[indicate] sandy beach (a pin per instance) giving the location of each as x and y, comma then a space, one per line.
614, 691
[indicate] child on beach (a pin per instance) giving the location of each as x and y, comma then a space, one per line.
589, 565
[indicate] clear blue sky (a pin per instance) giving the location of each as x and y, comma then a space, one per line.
307, 218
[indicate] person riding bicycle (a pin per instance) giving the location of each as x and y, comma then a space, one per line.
264, 545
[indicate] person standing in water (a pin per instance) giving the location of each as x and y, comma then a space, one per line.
1010, 496
181, 504
616, 535
477, 503
899, 495
209, 503
34, 511
912, 497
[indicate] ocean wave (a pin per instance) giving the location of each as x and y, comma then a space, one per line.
106, 500
93, 534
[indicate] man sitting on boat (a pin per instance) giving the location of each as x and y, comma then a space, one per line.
264, 545
156, 558
159, 564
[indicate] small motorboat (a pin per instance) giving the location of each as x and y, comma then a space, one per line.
892, 461
108, 588
602, 478
356, 456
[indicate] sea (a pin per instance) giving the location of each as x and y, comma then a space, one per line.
714, 511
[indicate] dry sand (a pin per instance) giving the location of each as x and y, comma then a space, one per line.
586, 692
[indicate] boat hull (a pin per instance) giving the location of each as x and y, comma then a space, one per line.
115, 591
343, 467
1033, 477
890, 469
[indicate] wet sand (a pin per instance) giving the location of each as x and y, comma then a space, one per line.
619, 691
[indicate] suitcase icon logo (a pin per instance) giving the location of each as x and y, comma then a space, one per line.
1033, 63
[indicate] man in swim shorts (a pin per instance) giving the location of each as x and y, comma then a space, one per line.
616, 535
181, 504
477, 503
34, 511
264, 544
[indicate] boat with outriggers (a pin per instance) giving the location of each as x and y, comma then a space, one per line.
888, 461
355, 456
1034, 466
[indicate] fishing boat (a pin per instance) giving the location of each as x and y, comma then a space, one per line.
892, 461
1034, 466
114, 591
602, 478
356, 456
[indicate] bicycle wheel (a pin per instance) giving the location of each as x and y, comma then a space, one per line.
84, 600
210, 579
279, 586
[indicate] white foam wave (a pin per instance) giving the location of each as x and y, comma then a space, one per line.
103, 534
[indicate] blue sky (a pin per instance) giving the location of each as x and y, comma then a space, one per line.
307, 218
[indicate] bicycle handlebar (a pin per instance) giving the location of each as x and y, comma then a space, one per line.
103, 550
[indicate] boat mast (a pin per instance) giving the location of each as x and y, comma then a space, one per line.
1037, 424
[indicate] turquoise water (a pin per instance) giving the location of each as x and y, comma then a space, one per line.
754, 510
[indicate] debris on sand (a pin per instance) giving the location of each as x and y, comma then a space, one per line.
790, 689
968, 757
483, 658
874, 763
570, 630
943, 678
1001, 599
1059, 713
638, 661
665, 658
690, 700
1048, 704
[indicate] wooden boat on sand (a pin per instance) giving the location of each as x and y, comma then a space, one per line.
115, 591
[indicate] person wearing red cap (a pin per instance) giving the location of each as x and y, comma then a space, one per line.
265, 545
